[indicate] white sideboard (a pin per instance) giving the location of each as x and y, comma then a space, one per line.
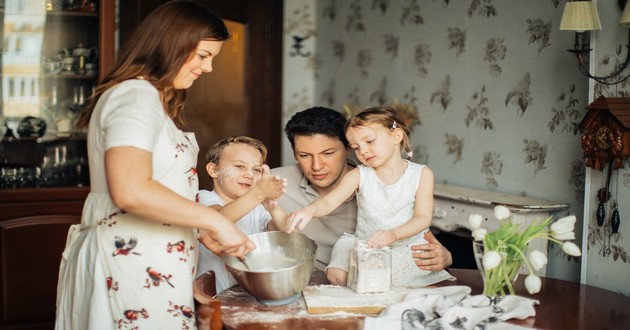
453, 205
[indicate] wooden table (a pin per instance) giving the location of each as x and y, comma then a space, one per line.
563, 305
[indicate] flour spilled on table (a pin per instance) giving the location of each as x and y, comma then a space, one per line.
323, 298
235, 314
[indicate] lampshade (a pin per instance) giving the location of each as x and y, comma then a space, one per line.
581, 16
625, 17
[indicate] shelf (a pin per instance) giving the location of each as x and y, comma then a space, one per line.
60, 13
76, 13
74, 136
69, 76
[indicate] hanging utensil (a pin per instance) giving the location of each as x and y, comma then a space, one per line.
601, 213
615, 219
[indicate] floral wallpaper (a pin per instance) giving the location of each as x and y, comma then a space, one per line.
298, 63
499, 99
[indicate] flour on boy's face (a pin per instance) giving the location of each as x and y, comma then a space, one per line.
238, 170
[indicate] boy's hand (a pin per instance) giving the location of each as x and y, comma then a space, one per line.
270, 186
381, 238
270, 204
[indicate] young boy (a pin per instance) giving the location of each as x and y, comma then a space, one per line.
244, 192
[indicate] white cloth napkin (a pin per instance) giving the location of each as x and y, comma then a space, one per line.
451, 307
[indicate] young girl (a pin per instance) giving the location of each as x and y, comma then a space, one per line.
394, 198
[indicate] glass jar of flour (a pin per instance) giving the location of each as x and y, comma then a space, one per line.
370, 269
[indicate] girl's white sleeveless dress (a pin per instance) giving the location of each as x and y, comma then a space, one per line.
119, 271
383, 206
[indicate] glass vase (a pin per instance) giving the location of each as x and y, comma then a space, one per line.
499, 281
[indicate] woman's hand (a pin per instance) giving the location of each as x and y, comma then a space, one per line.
229, 239
212, 245
432, 256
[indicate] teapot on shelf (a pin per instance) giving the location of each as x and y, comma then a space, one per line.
31, 126
79, 60
66, 59
90, 53
52, 65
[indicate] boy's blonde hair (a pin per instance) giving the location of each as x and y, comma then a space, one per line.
214, 153
382, 115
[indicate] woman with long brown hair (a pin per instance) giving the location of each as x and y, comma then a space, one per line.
131, 262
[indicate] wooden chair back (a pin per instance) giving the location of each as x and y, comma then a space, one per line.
208, 309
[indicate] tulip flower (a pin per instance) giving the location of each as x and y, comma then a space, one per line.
563, 236
479, 234
567, 220
501, 212
475, 220
532, 283
571, 249
563, 228
491, 260
506, 248
537, 259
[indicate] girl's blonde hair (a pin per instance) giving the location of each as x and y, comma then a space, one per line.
382, 115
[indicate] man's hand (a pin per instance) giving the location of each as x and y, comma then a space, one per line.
432, 256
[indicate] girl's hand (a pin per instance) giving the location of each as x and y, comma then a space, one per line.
381, 238
298, 219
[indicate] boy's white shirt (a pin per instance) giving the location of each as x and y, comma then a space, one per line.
255, 221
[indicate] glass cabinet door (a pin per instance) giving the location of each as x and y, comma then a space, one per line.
49, 63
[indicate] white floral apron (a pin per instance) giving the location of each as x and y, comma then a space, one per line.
120, 271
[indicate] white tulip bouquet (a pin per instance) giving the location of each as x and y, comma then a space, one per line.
504, 249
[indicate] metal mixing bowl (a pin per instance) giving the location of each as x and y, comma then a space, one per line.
278, 269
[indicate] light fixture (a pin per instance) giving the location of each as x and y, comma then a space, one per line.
582, 17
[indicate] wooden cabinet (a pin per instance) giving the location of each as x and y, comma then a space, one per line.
35, 217
33, 228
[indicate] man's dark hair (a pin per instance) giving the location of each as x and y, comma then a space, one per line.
316, 120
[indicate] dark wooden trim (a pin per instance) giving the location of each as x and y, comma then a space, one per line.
264, 87
106, 43
55, 194
15, 203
